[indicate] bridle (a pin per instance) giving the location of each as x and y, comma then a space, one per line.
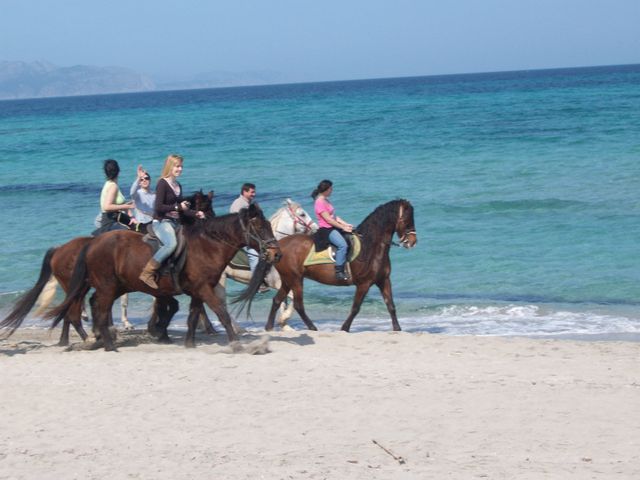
297, 219
250, 233
404, 238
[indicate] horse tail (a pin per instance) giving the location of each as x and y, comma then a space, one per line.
78, 288
245, 297
25, 302
46, 297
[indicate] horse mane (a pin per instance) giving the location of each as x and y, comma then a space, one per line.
217, 227
377, 220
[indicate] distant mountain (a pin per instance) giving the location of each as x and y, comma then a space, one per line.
43, 79
223, 79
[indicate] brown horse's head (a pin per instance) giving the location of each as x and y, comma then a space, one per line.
259, 235
405, 226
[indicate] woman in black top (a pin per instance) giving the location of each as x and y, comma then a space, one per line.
166, 217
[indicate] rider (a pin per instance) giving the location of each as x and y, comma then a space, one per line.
113, 207
166, 218
331, 226
143, 197
246, 198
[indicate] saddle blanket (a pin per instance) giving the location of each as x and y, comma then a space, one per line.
328, 255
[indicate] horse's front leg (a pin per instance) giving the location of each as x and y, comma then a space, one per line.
221, 293
361, 292
124, 304
167, 308
207, 294
298, 303
385, 288
275, 305
101, 304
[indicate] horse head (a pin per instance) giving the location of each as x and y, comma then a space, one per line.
405, 226
203, 202
258, 233
302, 221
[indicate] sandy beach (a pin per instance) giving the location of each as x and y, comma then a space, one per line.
321, 406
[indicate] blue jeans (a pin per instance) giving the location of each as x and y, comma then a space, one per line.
166, 232
252, 255
341, 244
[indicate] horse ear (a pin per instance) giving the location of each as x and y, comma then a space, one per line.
253, 210
210, 195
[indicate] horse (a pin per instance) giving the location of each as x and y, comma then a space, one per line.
112, 262
289, 219
57, 268
372, 266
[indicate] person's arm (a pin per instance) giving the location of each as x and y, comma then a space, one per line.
110, 198
335, 222
135, 186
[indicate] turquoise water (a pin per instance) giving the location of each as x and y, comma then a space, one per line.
525, 185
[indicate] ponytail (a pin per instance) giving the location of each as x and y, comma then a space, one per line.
322, 187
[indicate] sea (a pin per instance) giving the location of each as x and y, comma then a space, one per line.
525, 185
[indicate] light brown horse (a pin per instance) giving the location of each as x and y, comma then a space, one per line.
112, 263
371, 267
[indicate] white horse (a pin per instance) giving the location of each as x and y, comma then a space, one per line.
289, 219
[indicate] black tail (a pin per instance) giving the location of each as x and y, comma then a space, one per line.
78, 288
26, 302
246, 296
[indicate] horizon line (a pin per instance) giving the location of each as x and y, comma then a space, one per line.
547, 69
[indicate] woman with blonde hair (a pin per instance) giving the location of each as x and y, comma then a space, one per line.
166, 218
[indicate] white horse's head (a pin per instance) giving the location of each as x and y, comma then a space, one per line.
292, 218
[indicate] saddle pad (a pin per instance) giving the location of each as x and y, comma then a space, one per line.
328, 255
240, 261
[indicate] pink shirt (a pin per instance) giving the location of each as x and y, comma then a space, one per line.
323, 205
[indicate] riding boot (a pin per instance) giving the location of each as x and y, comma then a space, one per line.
149, 273
340, 275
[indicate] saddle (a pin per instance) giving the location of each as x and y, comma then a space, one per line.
328, 255
175, 263
240, 261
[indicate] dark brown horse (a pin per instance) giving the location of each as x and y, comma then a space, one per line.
112, 263
371, 267
59, 263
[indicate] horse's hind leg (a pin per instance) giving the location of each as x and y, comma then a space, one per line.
101, 304
73, 317
167, 308
361, 292
385, 288
195, 311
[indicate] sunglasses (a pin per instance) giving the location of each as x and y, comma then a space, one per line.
146, 178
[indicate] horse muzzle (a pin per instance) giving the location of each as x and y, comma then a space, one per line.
273, 255
409, 240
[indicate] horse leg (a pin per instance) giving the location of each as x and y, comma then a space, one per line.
361, 292
74, 317
152, 324
298, 304
207, 294
385, 288
101, 305
221, 293
124, 304
196, 309
167, 308
286, 311
275, 305
205, 323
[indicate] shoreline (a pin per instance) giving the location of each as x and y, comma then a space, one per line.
320, 405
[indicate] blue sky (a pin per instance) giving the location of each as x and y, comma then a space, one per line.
322, 40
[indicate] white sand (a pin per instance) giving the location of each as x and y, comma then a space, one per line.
312, 407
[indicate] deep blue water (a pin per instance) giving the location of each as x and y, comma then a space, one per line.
525, 185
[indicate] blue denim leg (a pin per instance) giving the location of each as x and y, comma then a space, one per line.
253, 258
341, 244
166, 232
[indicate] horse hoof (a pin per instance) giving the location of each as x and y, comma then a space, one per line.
165, 340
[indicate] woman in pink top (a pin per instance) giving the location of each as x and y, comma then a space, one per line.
331, 226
